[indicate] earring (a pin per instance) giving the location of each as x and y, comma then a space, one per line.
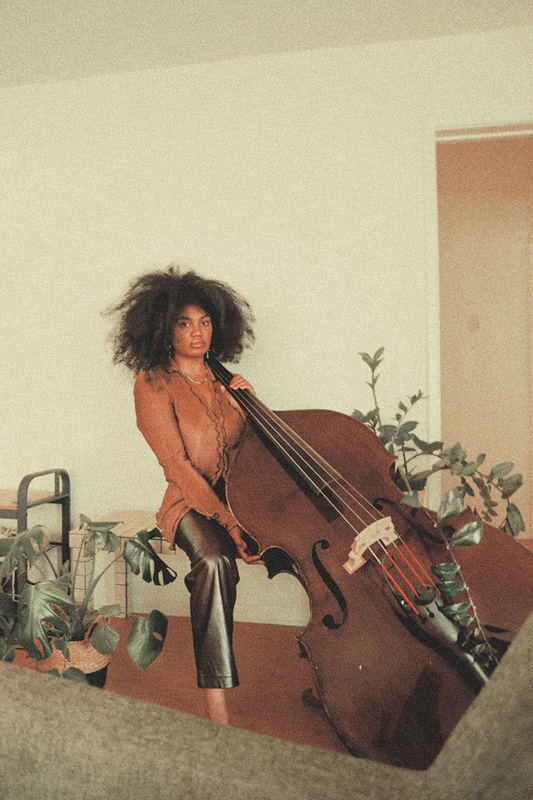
170, 351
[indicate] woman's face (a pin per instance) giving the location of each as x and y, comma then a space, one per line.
191, 337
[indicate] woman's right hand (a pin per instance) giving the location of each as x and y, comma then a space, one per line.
236, 534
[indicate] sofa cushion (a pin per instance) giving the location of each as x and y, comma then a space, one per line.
490, 752
66, 741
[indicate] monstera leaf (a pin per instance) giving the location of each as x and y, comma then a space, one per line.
24, 551
105, 639
147, 637
142, 558
45, 602
99, 536
8, 614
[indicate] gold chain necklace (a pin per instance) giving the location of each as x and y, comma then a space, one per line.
198, 383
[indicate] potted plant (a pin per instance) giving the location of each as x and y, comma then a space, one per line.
63, 632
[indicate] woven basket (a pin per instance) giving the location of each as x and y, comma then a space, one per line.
83, 656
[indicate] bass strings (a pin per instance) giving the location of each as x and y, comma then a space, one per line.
286, 440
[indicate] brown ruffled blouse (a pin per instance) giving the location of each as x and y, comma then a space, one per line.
194, 432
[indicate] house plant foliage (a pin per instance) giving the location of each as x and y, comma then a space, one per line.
49, 621
416, 461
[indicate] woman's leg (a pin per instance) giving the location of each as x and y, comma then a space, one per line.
215, 705
212, 584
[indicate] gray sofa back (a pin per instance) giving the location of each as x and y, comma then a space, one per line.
65, 741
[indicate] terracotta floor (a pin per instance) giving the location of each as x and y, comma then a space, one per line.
271, 672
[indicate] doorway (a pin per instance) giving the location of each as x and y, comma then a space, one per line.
485, 222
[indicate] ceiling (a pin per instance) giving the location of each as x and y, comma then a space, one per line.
49, 40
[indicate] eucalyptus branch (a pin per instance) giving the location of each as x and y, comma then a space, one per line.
401, 441
375, 362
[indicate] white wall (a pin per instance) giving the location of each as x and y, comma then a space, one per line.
307, 180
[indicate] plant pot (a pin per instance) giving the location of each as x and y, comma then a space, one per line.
98, 678
84, 657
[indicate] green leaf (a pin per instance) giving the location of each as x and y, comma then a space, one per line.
7, 651
110, 611
8, 613
104, 540
458, 612
456, 467
457, 608
45, 602
501, 470
455, 453
426, 447
367, 359
419, 479
451, 505
146, 638
103, 527
105, 639
482, 487
509, 485
480, 649
411, 499
370, 418
387, 433
446, 571
468, 489
469, 469
25, 549
74, 674
480, 459
142, 558
5, 544
451, 589
99, 535
469, 534
514, 522
404, 431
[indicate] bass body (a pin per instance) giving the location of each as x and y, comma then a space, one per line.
392, 683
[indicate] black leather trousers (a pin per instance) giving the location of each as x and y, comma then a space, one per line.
212, 583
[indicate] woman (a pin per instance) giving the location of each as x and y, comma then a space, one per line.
168, 321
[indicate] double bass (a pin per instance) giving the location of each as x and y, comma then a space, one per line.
313, 490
